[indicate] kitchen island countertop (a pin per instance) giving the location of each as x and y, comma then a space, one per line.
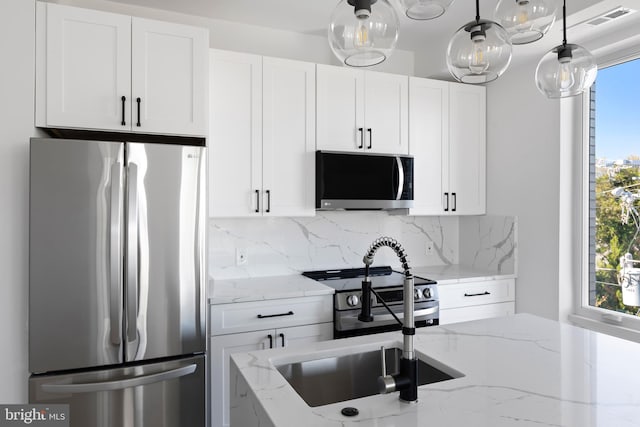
518, 371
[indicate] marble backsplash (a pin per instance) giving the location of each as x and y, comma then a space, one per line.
489, 242
280, 246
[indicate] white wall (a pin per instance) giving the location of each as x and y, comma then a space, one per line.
523, 175
17, 35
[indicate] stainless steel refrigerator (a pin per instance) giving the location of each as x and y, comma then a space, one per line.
117, 282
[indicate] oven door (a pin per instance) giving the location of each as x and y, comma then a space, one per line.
346, 323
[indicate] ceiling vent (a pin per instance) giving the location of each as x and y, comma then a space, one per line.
610, 16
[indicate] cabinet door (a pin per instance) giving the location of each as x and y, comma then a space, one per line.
300, 335
219, 350
428, 135
386, 113
235, 135
467, 149
169, 78
340, 115
288, 137
88, 66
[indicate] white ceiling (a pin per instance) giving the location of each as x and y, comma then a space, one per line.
312, 17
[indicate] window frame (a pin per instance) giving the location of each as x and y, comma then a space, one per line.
613, 323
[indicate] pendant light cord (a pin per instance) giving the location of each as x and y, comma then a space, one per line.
477, 10
564, 23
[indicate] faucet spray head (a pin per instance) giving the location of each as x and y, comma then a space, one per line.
395, 246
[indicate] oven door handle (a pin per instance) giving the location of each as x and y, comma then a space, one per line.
417, 313
385, 317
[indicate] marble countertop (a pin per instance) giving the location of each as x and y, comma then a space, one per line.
518, 371
264, 288
227, 291
458, 273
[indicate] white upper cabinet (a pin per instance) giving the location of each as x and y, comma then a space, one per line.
428, 136
386, 113
361, 111
87, 68
235, 135
288, 137
262, 138
467, 148
448, 142
93, 66
169, 77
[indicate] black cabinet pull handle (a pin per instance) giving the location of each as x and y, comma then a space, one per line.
477, 295
282, 337
257, 200
123, 99
370, 138
455, 202
268, 201
270, 340
138, 100
361, 130
446, 198
266, 316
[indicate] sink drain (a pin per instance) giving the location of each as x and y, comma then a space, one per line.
350, 411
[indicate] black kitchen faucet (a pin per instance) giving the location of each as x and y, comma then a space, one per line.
406, 381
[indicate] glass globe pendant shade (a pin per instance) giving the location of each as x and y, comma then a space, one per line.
566, 70
363, 33
526, 20
479, 52
423, 10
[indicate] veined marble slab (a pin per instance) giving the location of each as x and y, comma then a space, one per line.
264, 288
518, 371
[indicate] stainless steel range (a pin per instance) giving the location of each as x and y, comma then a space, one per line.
388, 284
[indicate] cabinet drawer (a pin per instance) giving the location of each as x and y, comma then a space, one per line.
280, 313
465, 314
476, 293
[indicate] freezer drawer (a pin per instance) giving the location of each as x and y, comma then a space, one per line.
166, 394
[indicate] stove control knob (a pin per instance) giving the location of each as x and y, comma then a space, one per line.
427, 293
417, 293
353, 300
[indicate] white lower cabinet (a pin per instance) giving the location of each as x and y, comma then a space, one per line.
258, 326
462, 302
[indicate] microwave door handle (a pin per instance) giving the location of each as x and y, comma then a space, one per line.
400, 178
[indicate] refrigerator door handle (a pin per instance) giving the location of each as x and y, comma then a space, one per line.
132, 253
119, 384
115, 234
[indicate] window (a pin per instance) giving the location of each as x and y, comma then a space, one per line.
614, 193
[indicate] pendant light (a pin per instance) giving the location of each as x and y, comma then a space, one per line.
566, 70
526, 20
479, 52
423, 10
363, 32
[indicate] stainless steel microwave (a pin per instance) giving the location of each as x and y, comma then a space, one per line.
363, 181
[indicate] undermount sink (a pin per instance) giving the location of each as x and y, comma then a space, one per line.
336, 379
